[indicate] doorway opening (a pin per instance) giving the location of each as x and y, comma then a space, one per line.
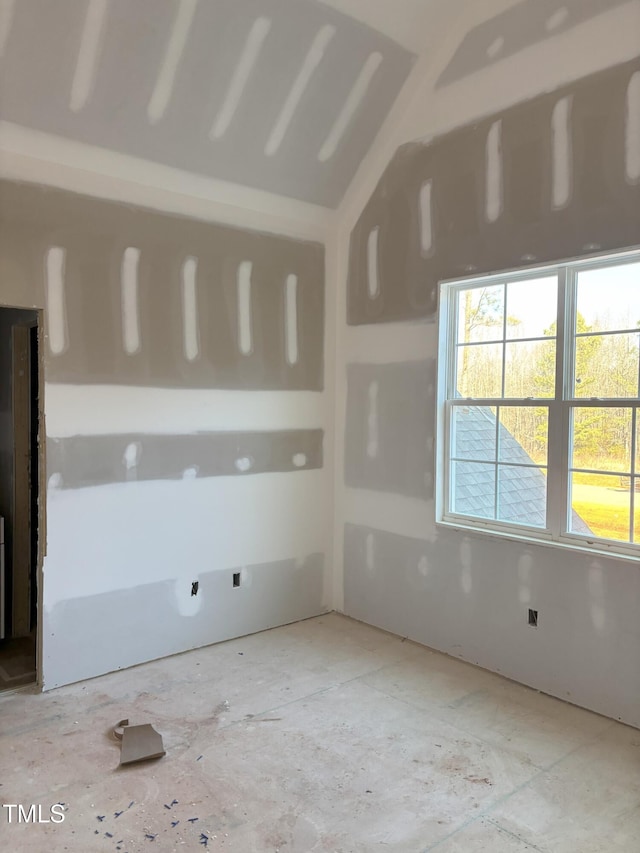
20, 502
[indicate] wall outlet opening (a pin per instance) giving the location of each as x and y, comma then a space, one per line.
533, 618
236, 578
194, 587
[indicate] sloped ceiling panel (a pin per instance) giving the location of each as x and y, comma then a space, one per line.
526, 24
281, 95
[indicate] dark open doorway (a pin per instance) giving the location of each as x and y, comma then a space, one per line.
19, 496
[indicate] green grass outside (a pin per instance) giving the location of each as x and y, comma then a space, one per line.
605, 508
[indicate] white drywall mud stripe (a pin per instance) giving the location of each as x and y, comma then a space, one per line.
130, 300
390, 343
633, 129
245, 521
426, 216
115, 409
291, 318
7, 8
373, 278
312, 60
173, 55
55, 295
190, 309
562, 153
393, 513
42, 158
494, 189
245, 323
88, 55
241, 75
351, 105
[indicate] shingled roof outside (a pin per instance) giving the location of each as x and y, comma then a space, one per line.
522, 493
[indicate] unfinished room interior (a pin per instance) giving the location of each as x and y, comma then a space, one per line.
320, 426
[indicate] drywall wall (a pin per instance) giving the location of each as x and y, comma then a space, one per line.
269, 594
550, 177
185, 421
556, 177
165, 297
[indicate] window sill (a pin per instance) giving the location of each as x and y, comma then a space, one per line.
595, 550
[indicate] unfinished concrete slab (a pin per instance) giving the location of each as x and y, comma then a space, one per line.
326, 735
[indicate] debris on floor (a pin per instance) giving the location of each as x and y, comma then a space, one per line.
138, 743
164, 833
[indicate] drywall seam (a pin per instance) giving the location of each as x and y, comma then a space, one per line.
390, 343
165, 529
393, 513
41, 158
337, 268
119, 409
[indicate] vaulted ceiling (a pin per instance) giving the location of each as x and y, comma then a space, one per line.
280, 95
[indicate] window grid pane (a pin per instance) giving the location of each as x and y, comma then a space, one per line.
479, 371
522, 495
607, 366
473, 489
600, 506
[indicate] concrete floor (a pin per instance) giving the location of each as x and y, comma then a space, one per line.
326, 735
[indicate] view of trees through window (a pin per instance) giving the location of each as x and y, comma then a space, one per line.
507, 348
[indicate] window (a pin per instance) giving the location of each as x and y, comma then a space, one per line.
539, 398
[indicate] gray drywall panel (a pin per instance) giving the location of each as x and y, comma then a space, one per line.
95, 234
470, 597
85, 637
601, 212
389, 428
41, 57
526, 24
82, 461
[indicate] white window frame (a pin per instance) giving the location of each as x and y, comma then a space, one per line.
560, 407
